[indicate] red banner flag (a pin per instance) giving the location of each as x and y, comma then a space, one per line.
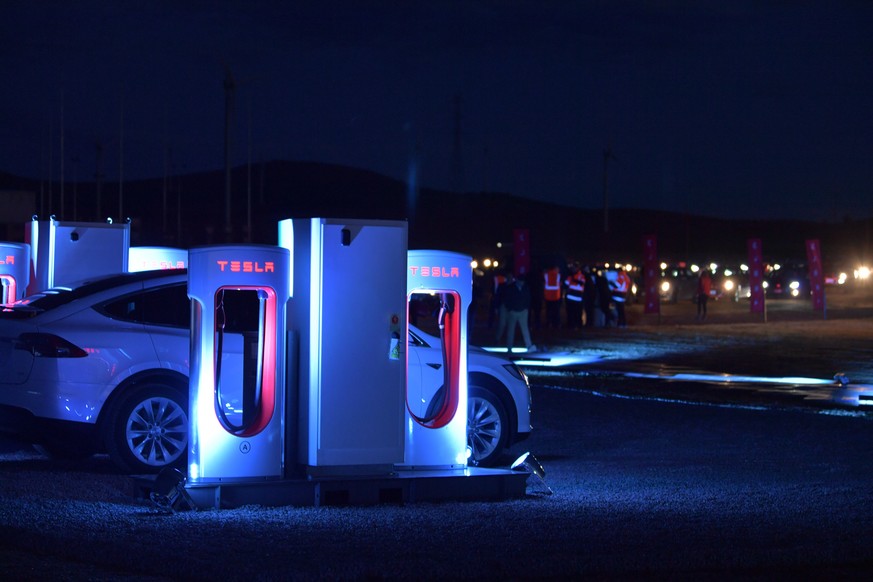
651, 274
521, 248
816, 275
756, 275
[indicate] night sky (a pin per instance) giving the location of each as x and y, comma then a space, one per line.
725, 108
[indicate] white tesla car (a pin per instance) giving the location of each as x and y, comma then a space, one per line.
103, 367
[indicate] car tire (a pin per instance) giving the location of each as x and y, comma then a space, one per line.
148, 429
487, 427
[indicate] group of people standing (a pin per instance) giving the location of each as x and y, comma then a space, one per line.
591, 296
588, 297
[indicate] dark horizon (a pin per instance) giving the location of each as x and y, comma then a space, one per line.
472, 222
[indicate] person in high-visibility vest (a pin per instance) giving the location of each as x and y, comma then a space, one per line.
552, 296
620, 286
574, 296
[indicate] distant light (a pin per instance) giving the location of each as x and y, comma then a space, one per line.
776, 266
694, 268
663, 266
713, 267
628, 267
744, 267
842, 279
728, 285
499, 245
795, 285
474, 264
486, 263
728, 272
665, 286
765, 284
495, 264
862, 273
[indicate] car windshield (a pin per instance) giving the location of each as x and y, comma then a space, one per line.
53, 298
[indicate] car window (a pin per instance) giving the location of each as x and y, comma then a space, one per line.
160, 306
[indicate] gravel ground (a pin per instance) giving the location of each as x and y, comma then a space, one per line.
644, 488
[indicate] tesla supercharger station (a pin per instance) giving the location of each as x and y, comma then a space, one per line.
348, 314
239, 299
436, 396
156, 259
62, 253
14, 271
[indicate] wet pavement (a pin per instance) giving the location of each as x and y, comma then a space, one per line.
645, 485
792, 355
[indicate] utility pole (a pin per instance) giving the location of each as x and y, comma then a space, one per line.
98, 177
229, 87
607, 154
457, 157
121, 164
62, 155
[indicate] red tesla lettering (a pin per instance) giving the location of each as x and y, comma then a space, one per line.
436, 271
241, 266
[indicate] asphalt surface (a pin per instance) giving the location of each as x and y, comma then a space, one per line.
641, 489
645, 485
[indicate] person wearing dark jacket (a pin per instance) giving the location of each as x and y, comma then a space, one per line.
590, 297
604, 297
515, 298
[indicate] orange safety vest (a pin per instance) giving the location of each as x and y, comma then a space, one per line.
552, 287
575, 286
622, 286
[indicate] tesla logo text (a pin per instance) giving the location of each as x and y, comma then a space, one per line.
436, 271
156, 265
246, 266
9, 260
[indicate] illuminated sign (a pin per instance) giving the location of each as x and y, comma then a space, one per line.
157, 265
8, 260
246, 266
451, 272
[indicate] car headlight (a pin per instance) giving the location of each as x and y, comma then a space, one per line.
728, 285
665, 286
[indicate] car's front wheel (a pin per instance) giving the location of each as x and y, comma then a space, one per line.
148, 429
487, 427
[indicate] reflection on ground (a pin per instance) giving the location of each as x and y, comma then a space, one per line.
796, 357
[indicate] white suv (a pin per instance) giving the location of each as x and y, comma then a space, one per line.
103, 367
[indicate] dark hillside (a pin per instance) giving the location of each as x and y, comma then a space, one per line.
188, 210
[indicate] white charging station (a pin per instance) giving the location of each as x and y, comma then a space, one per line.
156, 259
237, 384
348, 313
63, 253
436, 395
306, 403
14, 271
